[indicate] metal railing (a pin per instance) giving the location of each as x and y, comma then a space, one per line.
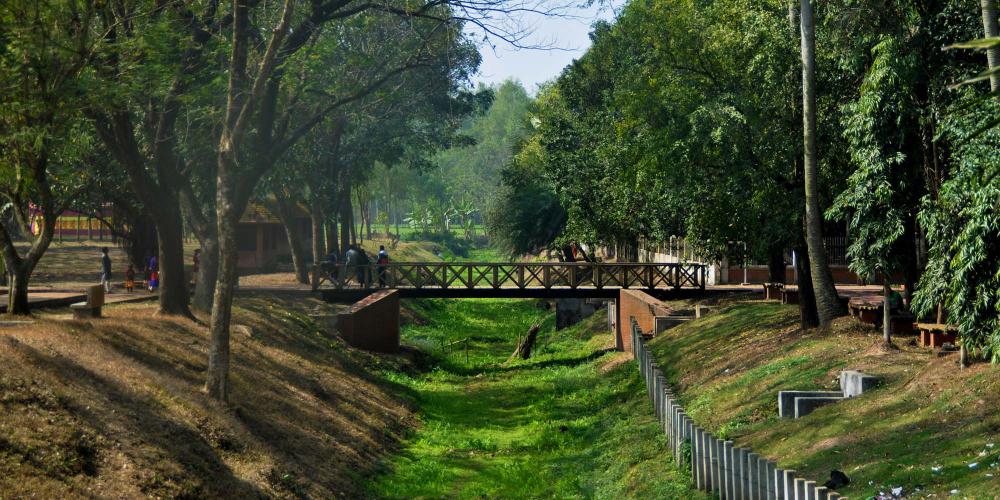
471, 275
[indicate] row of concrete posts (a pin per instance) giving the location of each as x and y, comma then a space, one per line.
717, 466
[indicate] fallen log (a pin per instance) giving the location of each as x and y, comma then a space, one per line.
524, 347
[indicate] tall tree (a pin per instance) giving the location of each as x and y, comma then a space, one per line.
261, 123
159, 67
828, 304
989, 9
45, 48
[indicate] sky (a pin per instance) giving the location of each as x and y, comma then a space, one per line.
569, 36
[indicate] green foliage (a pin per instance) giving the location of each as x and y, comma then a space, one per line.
963, 229
525, 215
658, 131
882, 193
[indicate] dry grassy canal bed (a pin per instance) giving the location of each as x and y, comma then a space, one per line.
573, 421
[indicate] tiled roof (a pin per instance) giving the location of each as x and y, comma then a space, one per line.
257, 213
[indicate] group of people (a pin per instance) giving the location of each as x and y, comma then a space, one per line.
356, 261
151, 272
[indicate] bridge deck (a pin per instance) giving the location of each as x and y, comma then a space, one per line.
515, 280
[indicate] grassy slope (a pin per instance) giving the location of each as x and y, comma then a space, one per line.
114, 407
553, 426
730, 366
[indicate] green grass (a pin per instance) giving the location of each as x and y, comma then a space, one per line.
552, 426
921, 430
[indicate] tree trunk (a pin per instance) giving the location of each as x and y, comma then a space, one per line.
208, 273
217, 382
524, 347
332, 245
17, 295
353, 223
286, 212
318, 241
911, 265
886, 311
808, 317
174, 287
202, 222
345, 219
989, 8
827, 302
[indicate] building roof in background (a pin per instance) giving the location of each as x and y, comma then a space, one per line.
258, 213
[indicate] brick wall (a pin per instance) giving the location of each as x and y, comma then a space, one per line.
372, 323
642, 307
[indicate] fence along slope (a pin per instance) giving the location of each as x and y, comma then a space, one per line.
717, 466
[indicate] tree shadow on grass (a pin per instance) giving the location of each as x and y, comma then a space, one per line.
176, 460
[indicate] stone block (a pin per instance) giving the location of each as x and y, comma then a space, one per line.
572, 311
664, 323
854, 383
786, 400
807, 405
372, 323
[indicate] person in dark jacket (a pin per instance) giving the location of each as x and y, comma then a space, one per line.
106, 270
380, 263
363, 270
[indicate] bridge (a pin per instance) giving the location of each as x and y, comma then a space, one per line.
518, 280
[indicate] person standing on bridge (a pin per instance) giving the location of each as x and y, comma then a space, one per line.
350, 262
381, 262
364, 271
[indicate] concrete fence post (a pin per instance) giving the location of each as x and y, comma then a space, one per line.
692, 445
727, 470
741, 473
696, 459
650, 378
788, 485
739, 455
703, 460
810, 490
689, 437
753, 476
675, 419
713, 463
766, 479
657, 396
681, 422
800, 489
668, 408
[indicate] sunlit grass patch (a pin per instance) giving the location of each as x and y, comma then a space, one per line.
927, 429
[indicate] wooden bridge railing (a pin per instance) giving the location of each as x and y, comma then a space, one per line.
525, 275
